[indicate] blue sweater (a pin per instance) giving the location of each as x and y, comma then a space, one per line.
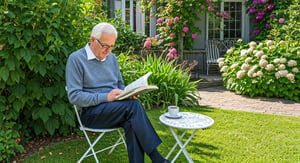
89, 81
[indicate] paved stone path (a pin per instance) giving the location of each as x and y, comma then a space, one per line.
219, 97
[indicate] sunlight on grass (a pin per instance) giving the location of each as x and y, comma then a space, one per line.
236, 136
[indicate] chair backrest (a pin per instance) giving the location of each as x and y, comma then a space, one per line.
77, 112
212, 51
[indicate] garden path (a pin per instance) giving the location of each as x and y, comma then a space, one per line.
219, 97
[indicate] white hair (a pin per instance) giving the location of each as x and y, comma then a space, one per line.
103, 28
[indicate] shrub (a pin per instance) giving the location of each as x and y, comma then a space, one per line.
269, 68
172, 79
36, 39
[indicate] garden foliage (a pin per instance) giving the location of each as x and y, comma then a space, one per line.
36, 39
173, 80
268, 68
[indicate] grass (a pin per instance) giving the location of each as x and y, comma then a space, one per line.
236, 136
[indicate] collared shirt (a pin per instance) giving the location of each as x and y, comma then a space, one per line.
90, 54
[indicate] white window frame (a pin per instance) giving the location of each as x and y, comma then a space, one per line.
243, 20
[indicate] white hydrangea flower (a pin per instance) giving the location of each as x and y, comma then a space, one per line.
286, 54
259, 54
298, 53
250, 50
281, 67
239, 40
243, 52
277, 60
248, 59
283, 60
245, 66
292, 63
221, 59
295, 70
221, 63
277, 75
291, 77
230, 80
263, 63
252, 44
224, 69
235, 65
264, 57
250, 73
272, 48
229, 51
260, 45
270, 67
269, 42
283, 73
260, 74
240, 74
281, 43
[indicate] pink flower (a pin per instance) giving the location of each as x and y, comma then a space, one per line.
160, 20
156, 36
184, 23
179, 3
267, 25
270, 7
171, 44
202, 6
147, 44
169, 22
185, 29
207, 1
252, 10
194, 36
170, 56
172, 34
281, 20
176, 19
210, 8
173, 51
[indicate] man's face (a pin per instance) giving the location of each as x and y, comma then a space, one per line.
103, 46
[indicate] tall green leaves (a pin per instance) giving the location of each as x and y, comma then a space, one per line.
175, 87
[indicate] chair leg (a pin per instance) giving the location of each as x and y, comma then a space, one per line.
118, 142
91, 147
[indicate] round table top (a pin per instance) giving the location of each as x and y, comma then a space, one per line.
187, 120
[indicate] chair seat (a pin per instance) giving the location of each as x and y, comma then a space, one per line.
98, 130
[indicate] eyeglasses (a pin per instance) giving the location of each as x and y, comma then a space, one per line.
106, 47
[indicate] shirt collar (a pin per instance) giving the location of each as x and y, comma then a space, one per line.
90, 54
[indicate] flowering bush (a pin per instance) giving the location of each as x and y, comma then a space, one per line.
175, 20
270, 68
266, 14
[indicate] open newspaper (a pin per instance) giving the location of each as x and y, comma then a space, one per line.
137, 87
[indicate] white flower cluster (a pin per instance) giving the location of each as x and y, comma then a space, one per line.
257, 62
282, 64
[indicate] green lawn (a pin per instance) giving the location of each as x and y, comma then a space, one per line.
236, 136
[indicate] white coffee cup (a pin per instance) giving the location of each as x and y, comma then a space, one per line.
173, 110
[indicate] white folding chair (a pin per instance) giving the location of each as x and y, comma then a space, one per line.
90, 151
212, 53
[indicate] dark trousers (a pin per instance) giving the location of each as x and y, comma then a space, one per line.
129, 114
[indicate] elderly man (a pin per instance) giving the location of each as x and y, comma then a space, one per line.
94, 80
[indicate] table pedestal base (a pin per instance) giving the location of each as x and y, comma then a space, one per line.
181, 145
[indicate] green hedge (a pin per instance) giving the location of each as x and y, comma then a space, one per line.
36, 39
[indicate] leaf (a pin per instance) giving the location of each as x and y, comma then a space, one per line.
4, 73
51, 125
42, 113
58, 108
18, 90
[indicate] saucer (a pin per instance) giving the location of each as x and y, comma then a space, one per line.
173, 117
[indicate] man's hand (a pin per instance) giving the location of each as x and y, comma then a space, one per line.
111, 96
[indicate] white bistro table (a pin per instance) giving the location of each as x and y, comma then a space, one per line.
187, 121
